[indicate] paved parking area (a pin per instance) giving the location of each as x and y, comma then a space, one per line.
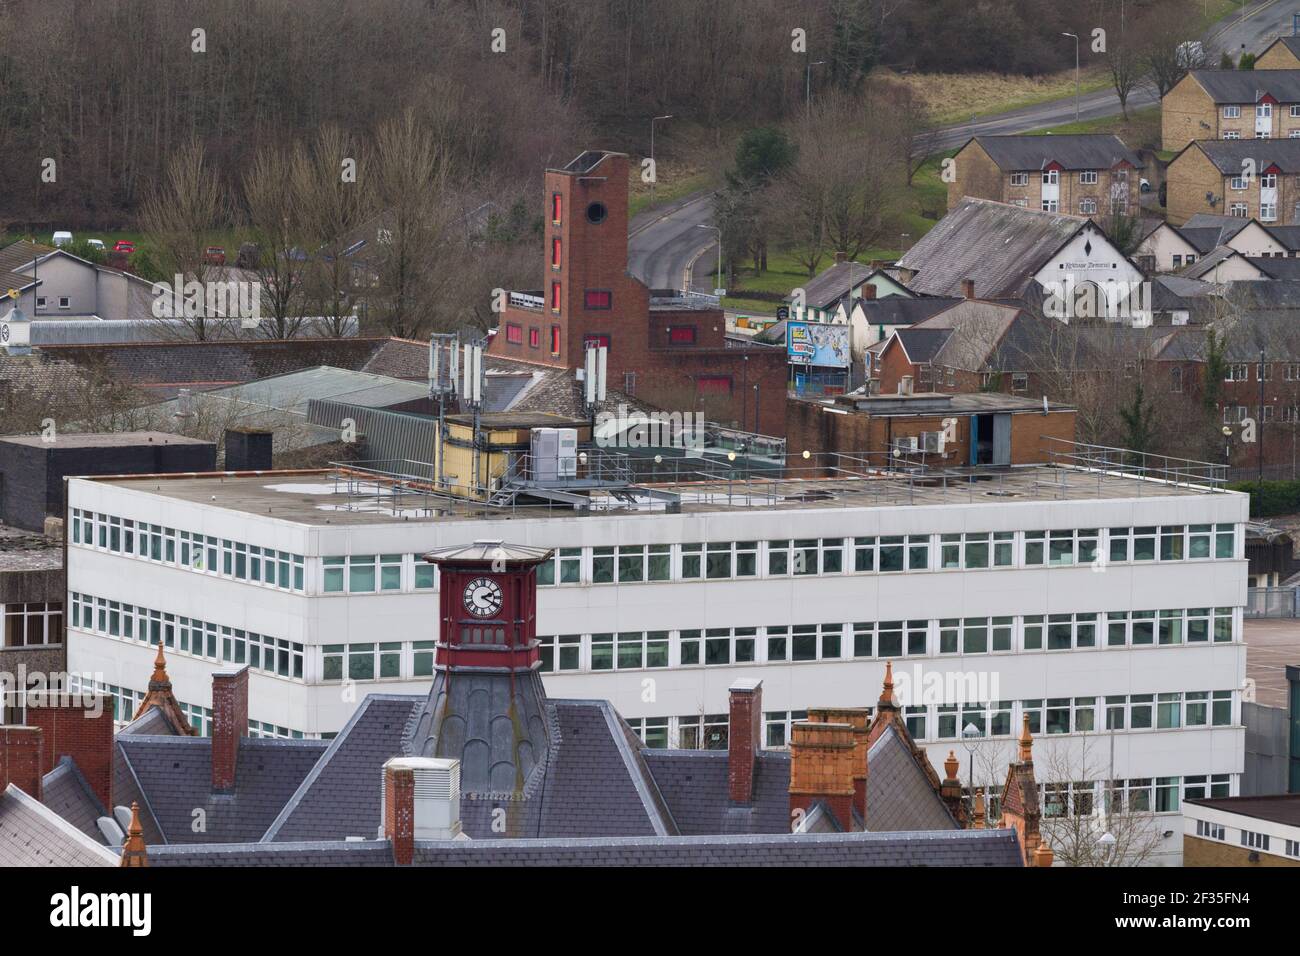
1271, 644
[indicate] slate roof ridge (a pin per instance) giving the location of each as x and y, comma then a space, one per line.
66, 766
656, 807
144, 794
28, 801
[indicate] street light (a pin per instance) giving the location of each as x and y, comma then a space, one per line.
718, 290
969, 734
1107, 843
1076, 73
807, 83
655, 169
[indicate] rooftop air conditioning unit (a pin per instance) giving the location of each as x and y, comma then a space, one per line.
930, 442
437, 796
555, 453
906, 445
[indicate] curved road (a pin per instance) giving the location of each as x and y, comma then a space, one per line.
664, 242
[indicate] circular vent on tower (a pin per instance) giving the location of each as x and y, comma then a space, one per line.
596, 212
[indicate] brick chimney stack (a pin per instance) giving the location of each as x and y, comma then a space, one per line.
20, 759
399, 811
868, 291
81, 730
968, 288
229, 724
859, 718
744, 738
821, 769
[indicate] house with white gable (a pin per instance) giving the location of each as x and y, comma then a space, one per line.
995, 250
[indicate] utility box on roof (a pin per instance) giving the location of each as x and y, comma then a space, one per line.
555, 454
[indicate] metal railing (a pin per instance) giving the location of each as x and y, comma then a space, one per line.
1272, 602
605, 480
1138, 464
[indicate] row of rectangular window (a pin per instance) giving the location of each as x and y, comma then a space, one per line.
33, 623
377, 661
190, 550
184, 635
370, 573
628, 650
720, 560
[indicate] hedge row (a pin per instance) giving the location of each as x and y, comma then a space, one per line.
1271, 498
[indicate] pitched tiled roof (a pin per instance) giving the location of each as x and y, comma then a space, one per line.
176, 775
998, 245
900, 796
900, 310
834, 283
922, 344
1289, 236
1277, 267
1249, 86
1279, 808
963, 848
32, 834
65, 791
694, 785
340, 795
1071, 151
1228, 155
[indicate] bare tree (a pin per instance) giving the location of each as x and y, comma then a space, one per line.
182, 216
1083, 805
333, 208
409, 184
1125, 73
1168, 57
273, 194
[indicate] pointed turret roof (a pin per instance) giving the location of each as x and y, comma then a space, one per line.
160, 696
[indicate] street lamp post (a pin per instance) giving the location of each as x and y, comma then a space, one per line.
969, 734
1107, 843
1076, 73
807, 83
654, 177
719, 290
1259, 425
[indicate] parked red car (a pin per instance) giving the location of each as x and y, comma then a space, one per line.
214, 256
124, 245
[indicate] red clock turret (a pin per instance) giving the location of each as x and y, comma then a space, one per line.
488, 607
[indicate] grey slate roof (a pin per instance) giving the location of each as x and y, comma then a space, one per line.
1228, 226
962, 848
694, 785
900, 797
922, 344
1206, 265
65, 791
32, 834
176, 775
900, 310
834, 283
151, 723
1227, 155
998, 245
495, 724
1203, 239
340, 796
1248, 86
1289, 236
1072, 151
1277, 267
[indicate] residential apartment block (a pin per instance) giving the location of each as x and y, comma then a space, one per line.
1282, 54
1231, 104
1243, 179
1093, 175
1101, 607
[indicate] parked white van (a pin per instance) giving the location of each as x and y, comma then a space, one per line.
62, 238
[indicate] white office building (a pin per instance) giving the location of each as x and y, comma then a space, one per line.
1108, 608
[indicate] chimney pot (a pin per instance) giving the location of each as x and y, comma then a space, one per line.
968, 288
229, 724
744, 736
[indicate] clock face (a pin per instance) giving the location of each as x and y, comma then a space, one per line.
482, 597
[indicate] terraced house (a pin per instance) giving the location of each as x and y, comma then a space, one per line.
1246, 179
1092, 175
1231, 104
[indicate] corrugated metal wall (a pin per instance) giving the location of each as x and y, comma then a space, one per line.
388, 436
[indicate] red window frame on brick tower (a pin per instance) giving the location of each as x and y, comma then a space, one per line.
555, 296
681, 335
556, 252
514, 333
601, 299
534, 338
555, 340
598, 339
713, 385
557, 208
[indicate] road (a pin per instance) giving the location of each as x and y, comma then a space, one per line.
664, 242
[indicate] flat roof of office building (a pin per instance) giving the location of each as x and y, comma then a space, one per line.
329, 498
